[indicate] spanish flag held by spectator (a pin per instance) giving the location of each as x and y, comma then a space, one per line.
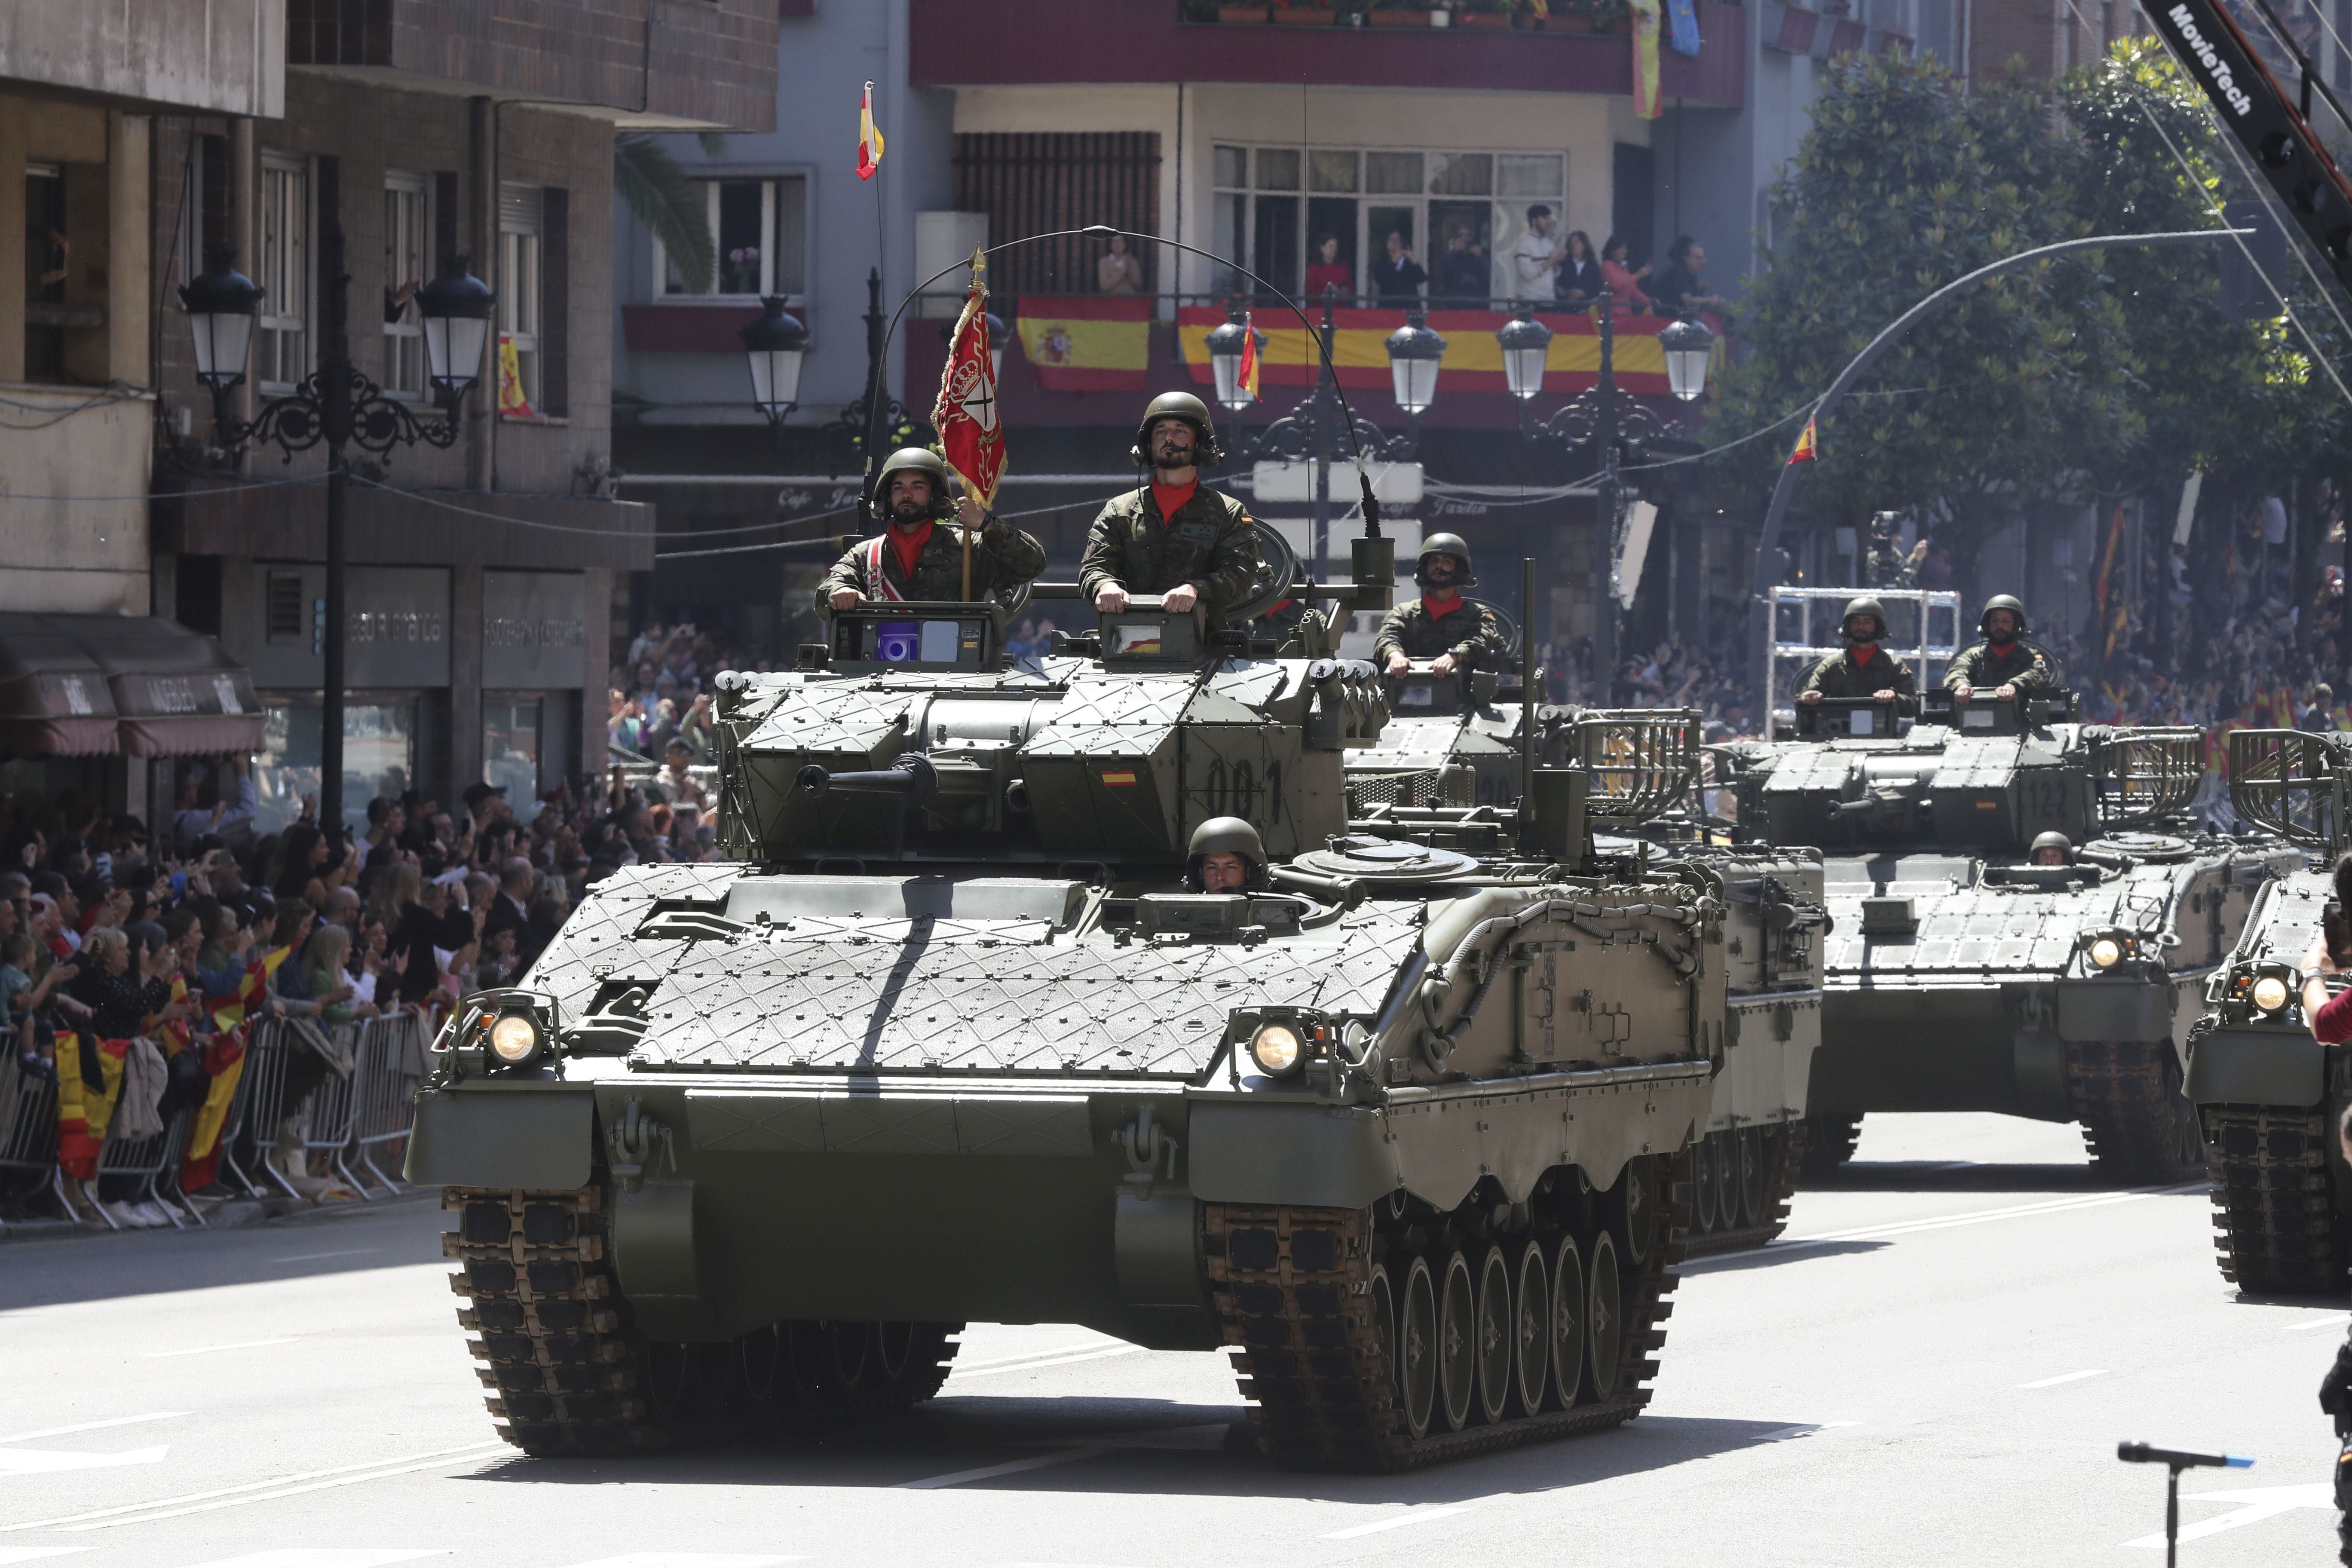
869, 136
1807, 444
1248, 377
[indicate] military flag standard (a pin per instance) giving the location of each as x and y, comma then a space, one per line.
869, 136
971, 438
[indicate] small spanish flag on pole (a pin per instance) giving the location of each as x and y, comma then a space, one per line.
869, 136
1808, 444
1247, 379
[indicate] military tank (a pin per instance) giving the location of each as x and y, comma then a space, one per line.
1959, 975
2267, 1094
1460, 742
1406, 1126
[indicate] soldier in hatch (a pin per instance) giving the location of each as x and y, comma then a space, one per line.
1441, 626
914, 558
1172, 537
2053, 850
1226, 856
1864, 669
2000, 660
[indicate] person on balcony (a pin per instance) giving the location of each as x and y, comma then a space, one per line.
1396, 278
1623, 282
1681, 290
1329, 272
1462, 270
1579, 281
1535, 260
1120, 271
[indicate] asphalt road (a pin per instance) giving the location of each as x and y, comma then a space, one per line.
1935, 1369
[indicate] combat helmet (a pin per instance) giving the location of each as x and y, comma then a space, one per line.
1226, 836
2052, 840
2009, 602
1194, 412
918, 460
1865, 605
1445, 544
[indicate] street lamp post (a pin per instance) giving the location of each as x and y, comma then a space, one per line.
1596, 417
340, 407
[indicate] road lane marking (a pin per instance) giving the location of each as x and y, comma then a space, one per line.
1205, 1436
314, 1257
2331, 1320
49, 1461
2065, 1377
1027, 1356
442, 1456
689, 1560
207, 1350
1893, 1228
94, 1426
36, 1553
326, 1557
1422, 1514
1010, 1466
2256, 1504
992, 1369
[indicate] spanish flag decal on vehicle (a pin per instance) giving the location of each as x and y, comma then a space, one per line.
1123, 779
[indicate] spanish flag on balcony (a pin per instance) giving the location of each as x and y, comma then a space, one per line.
1248, 377
1647, 103
869, 136
1087, 343
1807, 444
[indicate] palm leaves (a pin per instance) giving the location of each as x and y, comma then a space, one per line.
648, 179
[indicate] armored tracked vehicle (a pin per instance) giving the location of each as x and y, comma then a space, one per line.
2268, 1095
1455, 738
1960, 975
1404, 1123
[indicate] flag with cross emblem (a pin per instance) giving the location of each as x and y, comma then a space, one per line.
971, 437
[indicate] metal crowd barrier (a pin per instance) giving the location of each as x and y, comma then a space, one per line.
388, 1063
28, 1122
145, 1162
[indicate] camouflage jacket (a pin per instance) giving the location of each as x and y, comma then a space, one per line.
1211, 544
1467, 631
1001, 557
1837, 676
1984, 670
1886, 567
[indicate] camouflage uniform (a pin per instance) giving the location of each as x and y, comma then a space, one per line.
1837, 676
1211, 542
1001, 557
1887, 566
1467, 631
1985, 670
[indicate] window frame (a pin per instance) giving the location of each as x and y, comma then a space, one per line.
410, 328
522, 246
768, 180
269, 324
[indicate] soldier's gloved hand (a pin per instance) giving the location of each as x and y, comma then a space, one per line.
2006, 691
1963, 692
845, 598
1810, 699
973, 515
1110, 598
1884, 694
1442, 665
1182, 596
1398, 665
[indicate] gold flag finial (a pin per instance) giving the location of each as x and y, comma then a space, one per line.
980, 269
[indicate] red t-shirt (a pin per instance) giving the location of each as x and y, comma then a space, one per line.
2332, 1024
1171, 498
908, 547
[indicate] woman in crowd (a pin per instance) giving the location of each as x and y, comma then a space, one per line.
1579, 281
1624, 284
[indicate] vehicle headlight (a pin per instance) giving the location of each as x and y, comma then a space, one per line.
2106, 953
1277, 1049
2270, 993
515, 1037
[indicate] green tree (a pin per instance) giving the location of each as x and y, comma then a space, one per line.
648, 179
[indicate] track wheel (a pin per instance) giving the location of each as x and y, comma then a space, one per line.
1632, 1206
1703, 1189
1532, 1328
1457, 1341
1417, 1341
1381, 1296
1726, 1180
852, 1352
1604, 1309
1495, 1336
764, 1375
1747, 1151
1568, 1321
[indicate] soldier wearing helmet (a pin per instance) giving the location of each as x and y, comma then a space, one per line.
913, 558
1864, 669
1441, 625
2000, 660
1226, 856
1172, 537
2052, 849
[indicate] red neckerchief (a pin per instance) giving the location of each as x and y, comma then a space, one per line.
2001, 649
1862, 653
907, 546
1171, 498
1442, 603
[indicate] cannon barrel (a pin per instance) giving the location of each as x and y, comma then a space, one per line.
911, 776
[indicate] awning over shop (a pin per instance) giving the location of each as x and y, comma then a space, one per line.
98, 685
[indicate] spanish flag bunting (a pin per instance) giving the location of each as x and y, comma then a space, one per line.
1249, 357
1808, 445
869, 136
